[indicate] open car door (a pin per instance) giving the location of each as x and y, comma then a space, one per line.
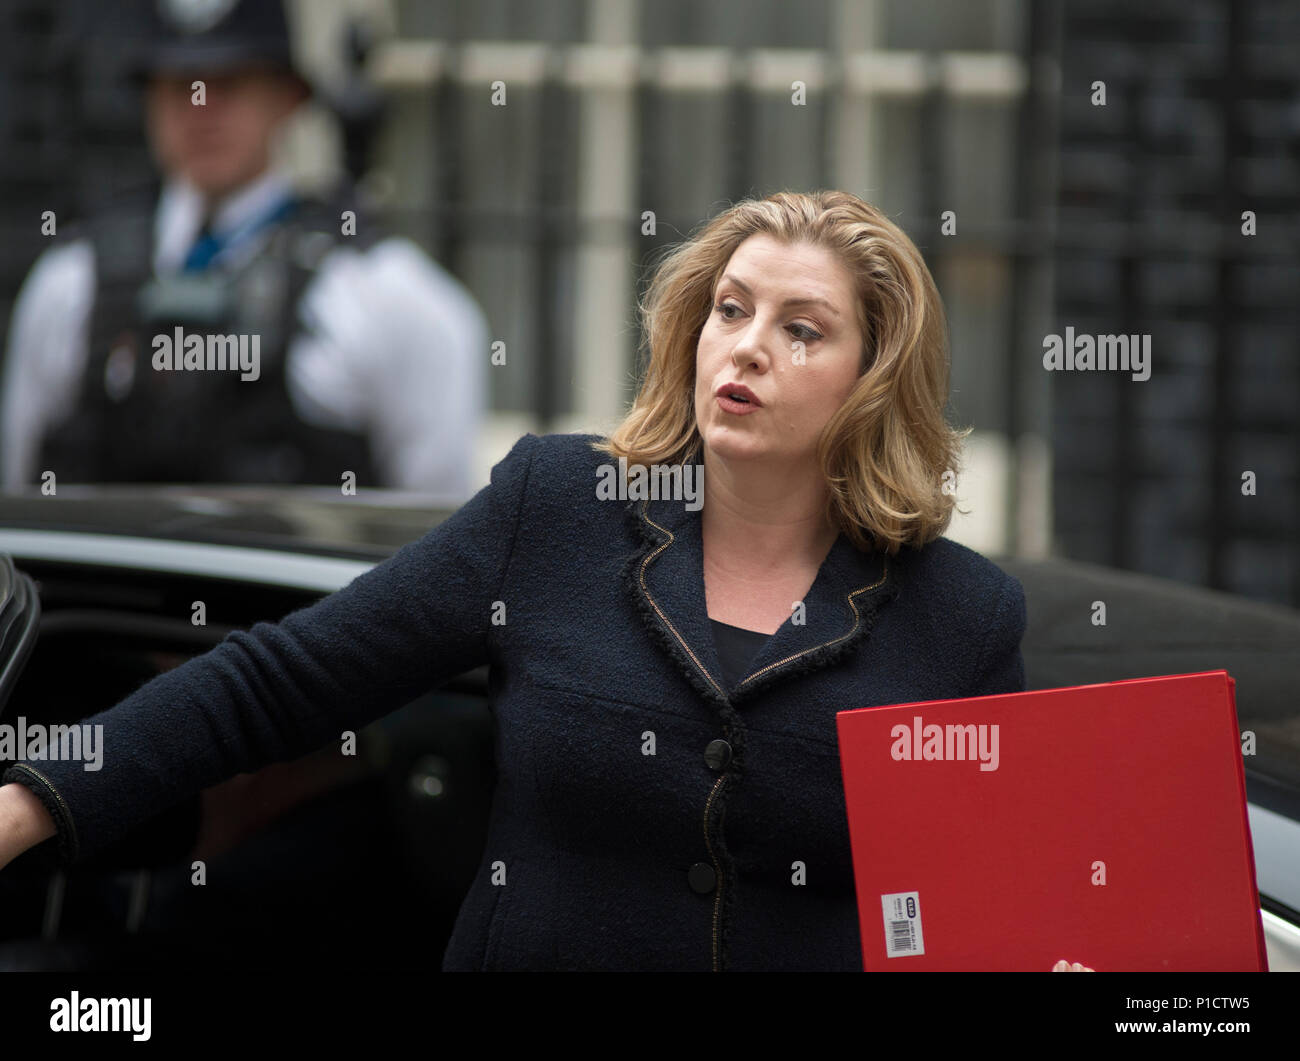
20, 614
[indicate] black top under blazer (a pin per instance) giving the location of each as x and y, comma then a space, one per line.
599, 854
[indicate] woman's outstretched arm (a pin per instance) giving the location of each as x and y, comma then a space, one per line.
280, 690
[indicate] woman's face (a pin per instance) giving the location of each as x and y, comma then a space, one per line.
783, 333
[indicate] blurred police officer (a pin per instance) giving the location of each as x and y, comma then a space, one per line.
370, 354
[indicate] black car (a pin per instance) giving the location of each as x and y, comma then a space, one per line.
331, 860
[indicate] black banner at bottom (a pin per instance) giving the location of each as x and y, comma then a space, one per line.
366, 1008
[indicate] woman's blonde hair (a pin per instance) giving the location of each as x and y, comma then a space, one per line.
886, 453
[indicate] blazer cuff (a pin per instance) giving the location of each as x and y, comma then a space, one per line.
36, 782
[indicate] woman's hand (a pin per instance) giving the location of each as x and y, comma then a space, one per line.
1067, 967
24, 822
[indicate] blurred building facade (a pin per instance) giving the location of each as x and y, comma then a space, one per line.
968, 122
1180, 220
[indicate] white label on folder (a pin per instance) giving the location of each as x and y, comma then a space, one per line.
902, 912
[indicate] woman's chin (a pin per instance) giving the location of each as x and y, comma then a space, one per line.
732, 445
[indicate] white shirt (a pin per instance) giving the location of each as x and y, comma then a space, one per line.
394, 345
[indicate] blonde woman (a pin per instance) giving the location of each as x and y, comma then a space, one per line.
667, 652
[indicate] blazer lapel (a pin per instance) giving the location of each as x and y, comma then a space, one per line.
838, 615
665, 577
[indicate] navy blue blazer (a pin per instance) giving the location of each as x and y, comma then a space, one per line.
615, 842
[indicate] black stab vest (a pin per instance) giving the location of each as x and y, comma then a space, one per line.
134, 423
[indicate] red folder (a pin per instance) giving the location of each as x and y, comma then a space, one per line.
1104, 824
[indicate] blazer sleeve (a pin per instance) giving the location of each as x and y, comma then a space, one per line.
1001, 667
279, 690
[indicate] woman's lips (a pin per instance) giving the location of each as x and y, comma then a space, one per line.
737, 399
730, 405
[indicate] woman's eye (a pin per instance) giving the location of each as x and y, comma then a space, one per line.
800, 331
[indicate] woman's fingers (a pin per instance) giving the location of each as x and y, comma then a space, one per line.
1066, 967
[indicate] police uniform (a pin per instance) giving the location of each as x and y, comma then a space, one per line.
369, 354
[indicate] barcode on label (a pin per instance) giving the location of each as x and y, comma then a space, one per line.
902, 916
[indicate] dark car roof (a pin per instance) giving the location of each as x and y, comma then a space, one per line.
319, 519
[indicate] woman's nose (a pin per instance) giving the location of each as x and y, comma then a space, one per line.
749, 347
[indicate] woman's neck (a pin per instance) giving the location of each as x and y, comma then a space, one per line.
757, 517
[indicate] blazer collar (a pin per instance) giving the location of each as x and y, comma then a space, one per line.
665, 579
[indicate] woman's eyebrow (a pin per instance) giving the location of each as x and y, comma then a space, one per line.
807, 301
